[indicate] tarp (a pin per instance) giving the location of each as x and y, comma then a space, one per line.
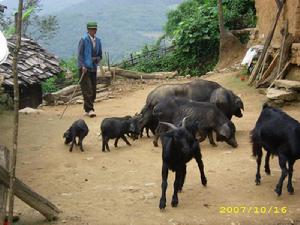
4, 52
250, 55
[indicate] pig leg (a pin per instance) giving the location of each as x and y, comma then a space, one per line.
284, 173
72, 144
116, 142
124, 139
164, 185
81, 136
106, 144
103, 143
211, 139
257, 148
142, 131
198, 158
147, 131
156, 136
178, 175
77, 143
182, 178
267, 164
290, 185
199, 161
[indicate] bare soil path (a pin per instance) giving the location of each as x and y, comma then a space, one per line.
123, 186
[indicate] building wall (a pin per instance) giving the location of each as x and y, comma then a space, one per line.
266, 12
30, 96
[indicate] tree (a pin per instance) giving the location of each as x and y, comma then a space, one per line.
230, 47
221, 20
35, 26
194, 30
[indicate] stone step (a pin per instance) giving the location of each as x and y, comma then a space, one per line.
287, 84
279, 94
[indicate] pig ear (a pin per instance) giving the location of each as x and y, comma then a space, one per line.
170, 125
225, 130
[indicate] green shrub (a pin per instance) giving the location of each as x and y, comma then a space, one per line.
193, 28
55, 83
49, 85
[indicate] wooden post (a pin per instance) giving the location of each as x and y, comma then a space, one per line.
114, 75
267, 44
4, 162
284, 36
108, 61
131, 59
13, 161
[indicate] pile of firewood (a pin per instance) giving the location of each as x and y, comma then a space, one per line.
64, 95
72, 94
266, 73
118, 72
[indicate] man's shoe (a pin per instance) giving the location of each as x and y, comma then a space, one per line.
86, 114
92, 113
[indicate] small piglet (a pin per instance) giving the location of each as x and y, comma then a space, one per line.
78, 129
118, 127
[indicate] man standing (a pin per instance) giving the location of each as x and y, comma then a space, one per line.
89, 55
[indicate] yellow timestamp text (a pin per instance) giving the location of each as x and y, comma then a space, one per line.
263, 210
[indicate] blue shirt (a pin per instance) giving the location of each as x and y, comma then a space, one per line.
88, 56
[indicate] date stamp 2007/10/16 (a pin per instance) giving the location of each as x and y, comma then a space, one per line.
263, 210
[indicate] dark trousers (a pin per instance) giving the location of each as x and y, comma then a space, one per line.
88, 88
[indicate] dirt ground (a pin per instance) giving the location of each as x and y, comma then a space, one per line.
123, 186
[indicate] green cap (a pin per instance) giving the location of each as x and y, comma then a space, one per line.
91, 25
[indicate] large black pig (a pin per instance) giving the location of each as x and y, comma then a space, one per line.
206, 115
197, 90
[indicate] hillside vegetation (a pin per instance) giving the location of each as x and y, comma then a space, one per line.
125, 25
193, 29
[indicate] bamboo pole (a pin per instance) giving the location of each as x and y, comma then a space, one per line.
13, 160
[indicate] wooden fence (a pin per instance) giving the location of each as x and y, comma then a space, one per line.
135, 59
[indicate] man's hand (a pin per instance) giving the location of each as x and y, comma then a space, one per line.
84, 70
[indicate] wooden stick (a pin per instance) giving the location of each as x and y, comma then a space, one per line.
279, 76
278, 2
285, 33
13, 160
72, 96
266, 45
269, 70
4, 162
31, 198
263, 67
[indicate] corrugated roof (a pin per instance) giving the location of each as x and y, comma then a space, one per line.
35, 64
